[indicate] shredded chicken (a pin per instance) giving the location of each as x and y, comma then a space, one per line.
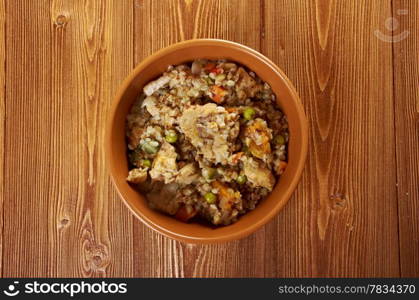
137, 175
211, 129
188, 174
257, 173
164, 167
153, 86
150, 104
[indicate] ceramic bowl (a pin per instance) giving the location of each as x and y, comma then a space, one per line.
155, 65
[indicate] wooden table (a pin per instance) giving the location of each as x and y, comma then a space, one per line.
356, 209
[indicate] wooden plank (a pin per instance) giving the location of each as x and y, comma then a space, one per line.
28, 125
2, 119
99, 43
342, 221
159, 24
121, 62
406, 80
64, 64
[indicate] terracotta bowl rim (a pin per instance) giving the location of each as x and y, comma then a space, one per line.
241, 232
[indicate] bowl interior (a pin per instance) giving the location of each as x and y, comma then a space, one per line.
152, 68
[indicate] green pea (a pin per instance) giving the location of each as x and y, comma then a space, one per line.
146, 163
148, 148
210, 173
171, 136
280, 140
241, 179
220, 77
209, 80
210, 198
249, 113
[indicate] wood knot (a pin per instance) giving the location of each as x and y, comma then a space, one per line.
61, 20
97, 260
338, 201
63, 223
97, 256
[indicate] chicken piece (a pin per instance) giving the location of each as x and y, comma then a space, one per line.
160, 112
246, 86
137, 175
257, 138
227, 196
164, 166
257, 174
162, 197
150, 104
188, 174
211, 129
153, 86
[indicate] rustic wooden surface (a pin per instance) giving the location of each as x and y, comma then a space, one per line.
406, 108
356, 210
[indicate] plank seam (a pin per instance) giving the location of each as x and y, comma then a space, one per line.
262, 50
393, 60
133, 33
4, 137
262, 25
134, 36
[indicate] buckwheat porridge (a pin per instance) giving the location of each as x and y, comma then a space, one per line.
206, 140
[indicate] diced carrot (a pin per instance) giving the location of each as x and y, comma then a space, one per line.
236, 157
258, 128
216, 71
217, 98
218, 93
209, 66
184, 215
260, 150
226, 195
232, 109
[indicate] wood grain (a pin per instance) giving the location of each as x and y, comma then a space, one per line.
2, 119
342, 220
69, 219
406, 93
27, 144
355, 212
